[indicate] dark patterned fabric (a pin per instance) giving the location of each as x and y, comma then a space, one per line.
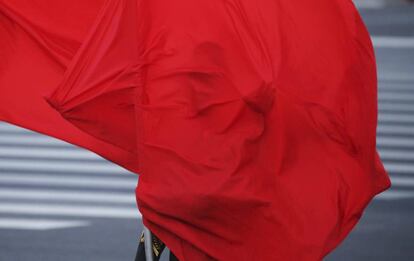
157, 248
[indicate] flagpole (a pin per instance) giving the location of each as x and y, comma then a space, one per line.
148, 244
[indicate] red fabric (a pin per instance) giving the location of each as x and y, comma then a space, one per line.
38, 40
252, 124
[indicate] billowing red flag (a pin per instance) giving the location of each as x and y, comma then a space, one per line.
38, 41
252, 124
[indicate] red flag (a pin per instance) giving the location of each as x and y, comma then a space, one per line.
38, 40
252, 124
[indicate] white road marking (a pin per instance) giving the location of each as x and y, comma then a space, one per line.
395, 96
395, 118
67, 195
100, 168
70, 210
404, 182
33, 140
395, 154
393, 41
398, 107
371, 4
401, 142
10, 127
400, 168
39, 224
47, 180
395, 86
394, 130
400, 77
395, 195
49, 153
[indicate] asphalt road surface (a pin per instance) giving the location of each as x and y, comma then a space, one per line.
62, 203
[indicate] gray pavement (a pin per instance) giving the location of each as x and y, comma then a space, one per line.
61, 203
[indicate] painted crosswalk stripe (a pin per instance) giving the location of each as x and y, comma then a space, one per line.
32, 140
49, 153
397, 107
65, 181
370, 4
67, 195
103, 167
392, 155
393, 41
396, 97
384, 86
70, 210
39, 224
395, 195
402, 182
395, 118
400, 168
7, 127
392, 76
395, 130
401, 142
